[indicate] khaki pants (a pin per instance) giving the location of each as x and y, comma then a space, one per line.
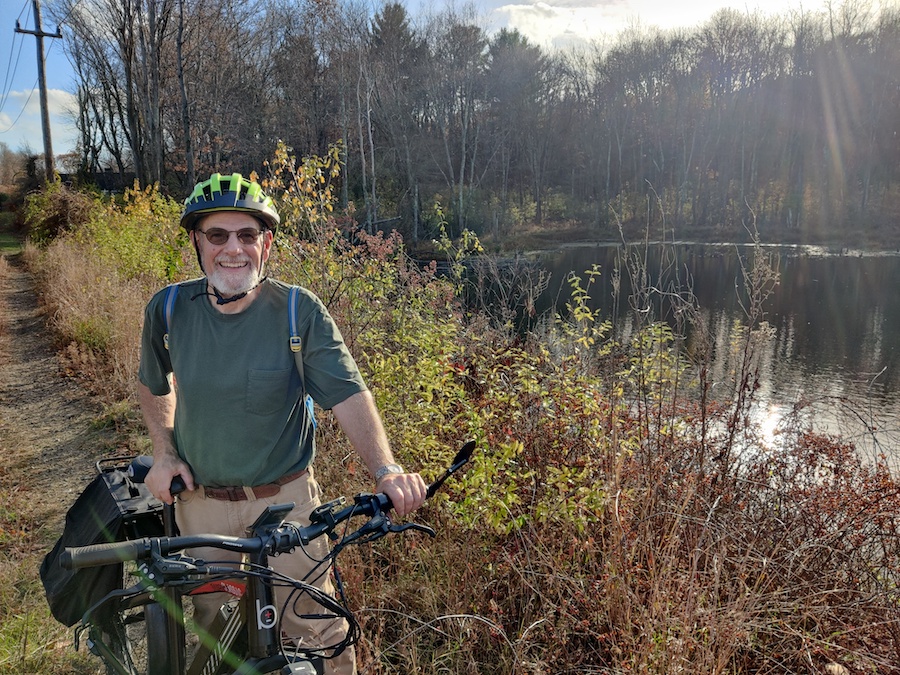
198, 514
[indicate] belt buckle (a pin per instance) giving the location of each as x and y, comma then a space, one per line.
234, 494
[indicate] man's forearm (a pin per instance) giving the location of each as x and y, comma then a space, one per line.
159, 417
360, 421
359, 418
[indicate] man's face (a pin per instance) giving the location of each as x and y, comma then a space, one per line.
232, 267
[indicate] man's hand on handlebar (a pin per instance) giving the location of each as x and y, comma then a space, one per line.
164, 470
406, 491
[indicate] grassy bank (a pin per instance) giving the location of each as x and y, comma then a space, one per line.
10, 241
618, 517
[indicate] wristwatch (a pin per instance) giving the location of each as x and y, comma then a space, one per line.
386, 469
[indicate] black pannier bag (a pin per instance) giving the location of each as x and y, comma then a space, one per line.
111, 508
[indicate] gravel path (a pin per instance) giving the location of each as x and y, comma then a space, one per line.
47, 440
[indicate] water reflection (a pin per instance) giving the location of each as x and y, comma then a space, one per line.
835, 318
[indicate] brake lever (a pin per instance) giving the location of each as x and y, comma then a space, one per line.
376, 528
172, 566
411, 526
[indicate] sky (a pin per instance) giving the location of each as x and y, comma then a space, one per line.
549, 23
20, 106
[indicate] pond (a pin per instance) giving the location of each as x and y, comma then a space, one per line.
834, 344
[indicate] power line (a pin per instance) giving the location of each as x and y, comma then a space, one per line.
22, 111
10, 78
10, 68
10, 72
39, 35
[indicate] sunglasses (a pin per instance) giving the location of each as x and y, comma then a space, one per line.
217, 236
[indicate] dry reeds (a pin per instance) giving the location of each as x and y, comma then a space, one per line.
96, 316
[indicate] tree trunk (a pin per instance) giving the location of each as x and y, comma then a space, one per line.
190, 177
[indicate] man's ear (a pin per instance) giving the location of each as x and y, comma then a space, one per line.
268, 239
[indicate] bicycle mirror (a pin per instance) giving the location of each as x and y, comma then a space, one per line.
461, 458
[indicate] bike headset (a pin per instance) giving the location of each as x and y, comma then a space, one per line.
228, 193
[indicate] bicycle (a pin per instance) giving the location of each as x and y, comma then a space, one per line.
245, 638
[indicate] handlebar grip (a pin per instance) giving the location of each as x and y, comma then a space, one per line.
104, 554
140, 467
177, 486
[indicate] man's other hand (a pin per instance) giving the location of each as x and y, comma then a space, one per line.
406, 490
165, 468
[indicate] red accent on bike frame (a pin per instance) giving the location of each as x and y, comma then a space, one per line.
235, 588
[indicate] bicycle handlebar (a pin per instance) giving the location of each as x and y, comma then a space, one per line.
281, 539
103, 554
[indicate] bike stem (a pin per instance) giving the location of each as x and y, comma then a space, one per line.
261, 608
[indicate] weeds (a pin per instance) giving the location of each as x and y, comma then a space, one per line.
617, 517
30, 641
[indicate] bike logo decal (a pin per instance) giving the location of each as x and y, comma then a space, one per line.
266, 616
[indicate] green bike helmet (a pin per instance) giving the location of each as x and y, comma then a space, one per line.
229, 193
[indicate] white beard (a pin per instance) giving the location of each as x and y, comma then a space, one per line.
235, 280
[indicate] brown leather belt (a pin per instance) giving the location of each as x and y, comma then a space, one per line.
239, 493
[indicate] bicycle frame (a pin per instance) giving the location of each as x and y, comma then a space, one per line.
256, 606
169, 576
255, 615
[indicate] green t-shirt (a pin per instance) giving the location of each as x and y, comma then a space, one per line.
240, 417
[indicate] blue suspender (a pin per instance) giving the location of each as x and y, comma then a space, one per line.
168, 305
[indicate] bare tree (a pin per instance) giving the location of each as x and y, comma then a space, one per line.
118, 46
398, 63
456, 94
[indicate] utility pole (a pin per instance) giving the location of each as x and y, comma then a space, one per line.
38, 32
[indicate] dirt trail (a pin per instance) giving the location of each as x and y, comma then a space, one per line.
46, 437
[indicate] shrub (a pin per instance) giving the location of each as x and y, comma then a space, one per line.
140, 238
57, 209
125, 252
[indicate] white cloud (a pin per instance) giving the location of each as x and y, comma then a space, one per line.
567, 22
23, 131
560, 22
558, 25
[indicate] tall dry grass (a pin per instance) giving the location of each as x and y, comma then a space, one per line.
95, 314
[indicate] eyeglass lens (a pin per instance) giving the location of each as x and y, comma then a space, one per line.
217, 236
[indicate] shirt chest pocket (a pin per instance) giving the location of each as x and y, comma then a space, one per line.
267, 390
